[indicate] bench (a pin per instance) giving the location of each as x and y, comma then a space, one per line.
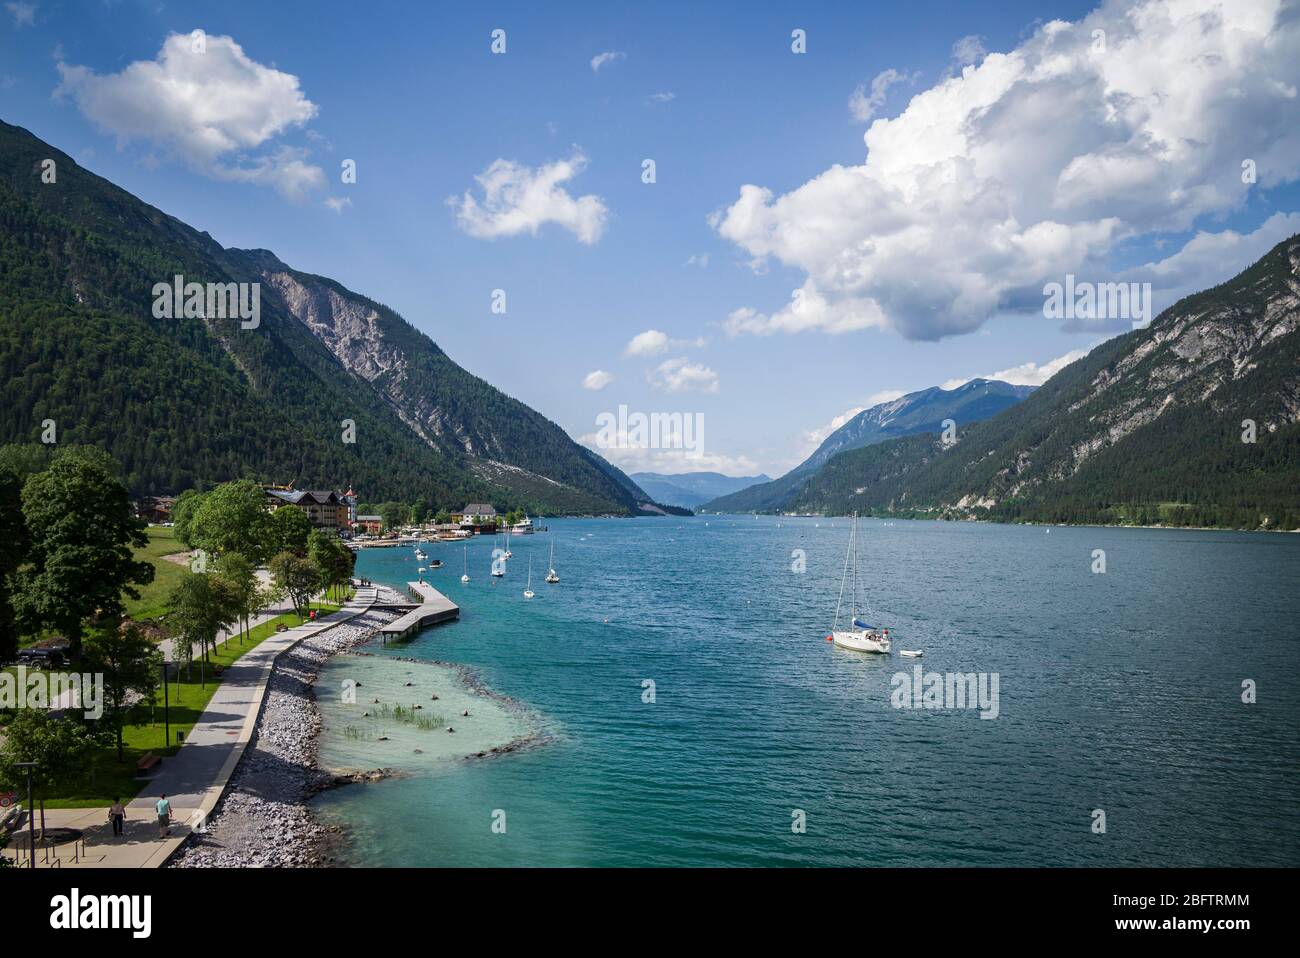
147, 763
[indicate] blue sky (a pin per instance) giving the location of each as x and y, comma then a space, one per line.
912, 282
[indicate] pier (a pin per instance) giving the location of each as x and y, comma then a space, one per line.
434, 607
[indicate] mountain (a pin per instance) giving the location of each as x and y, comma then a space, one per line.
692, 489
1151, 427
192, 401
918, 412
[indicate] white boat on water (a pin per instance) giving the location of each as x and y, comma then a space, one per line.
859, 637
528, 589
508, 554
552, 577
465, 576
524, 527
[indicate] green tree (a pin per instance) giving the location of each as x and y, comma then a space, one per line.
183, 510
61, 749
442, 518
333, 560
82, 537
130, 664
233, 518
200, 606
239, 575
394, 515
13, 533
295, 577
290, 528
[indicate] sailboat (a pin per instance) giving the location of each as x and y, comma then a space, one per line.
528, 590
551, 576
465, 577
860, 637
498, 560
508, 554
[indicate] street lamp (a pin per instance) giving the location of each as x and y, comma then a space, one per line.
167, 728
31, 813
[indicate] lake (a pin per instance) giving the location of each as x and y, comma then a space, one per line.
691, 712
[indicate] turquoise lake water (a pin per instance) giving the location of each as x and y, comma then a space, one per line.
1119, 691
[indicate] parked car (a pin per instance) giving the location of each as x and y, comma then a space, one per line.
41, 658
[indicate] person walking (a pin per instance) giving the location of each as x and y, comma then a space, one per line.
116, 816
164, 816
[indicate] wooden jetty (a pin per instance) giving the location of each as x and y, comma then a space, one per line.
434, 607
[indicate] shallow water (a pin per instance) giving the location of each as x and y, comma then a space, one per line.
1118, 691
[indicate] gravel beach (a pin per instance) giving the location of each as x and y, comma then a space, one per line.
263, 819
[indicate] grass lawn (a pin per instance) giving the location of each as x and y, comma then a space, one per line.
167, 574
107, 778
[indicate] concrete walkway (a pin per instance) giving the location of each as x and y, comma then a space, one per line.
196, 776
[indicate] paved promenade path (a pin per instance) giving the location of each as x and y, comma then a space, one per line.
195, 777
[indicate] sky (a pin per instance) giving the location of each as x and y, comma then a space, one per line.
848, 202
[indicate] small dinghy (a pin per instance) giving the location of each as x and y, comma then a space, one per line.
911, 653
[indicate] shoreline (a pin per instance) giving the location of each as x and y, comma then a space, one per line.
991, 522
263, 818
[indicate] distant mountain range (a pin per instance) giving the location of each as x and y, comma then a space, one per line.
918, 412
692, 489
193, 401
1192, 421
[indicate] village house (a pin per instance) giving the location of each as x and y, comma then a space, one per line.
477, 517
155, 509
326, 509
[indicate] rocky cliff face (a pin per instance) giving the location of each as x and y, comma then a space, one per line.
1151, 426
501, 439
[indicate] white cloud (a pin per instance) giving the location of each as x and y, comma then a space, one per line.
521, 199
701, 260
601, 59
652, 342
1220, 255
666, 97
338, 203
682, 375
1032, 164
1026, 374
24, 14
862, 105
968, 50
209, 108
632, 458
815, 437
597, 379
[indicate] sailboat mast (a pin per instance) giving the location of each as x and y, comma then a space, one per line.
855, 570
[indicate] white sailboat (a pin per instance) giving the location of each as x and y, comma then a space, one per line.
508, 554
528, 590
498, 560
465, 577
860, 637
551, 576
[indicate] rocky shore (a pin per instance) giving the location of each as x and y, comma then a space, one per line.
263, 819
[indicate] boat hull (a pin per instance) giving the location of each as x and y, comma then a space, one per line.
861, 642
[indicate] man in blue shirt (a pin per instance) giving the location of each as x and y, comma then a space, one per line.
164, 816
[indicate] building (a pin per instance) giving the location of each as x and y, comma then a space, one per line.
326, 509
371, 525
478, 518
477, 513
155, 508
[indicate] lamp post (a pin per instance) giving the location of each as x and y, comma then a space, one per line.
167, 728
31, 813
